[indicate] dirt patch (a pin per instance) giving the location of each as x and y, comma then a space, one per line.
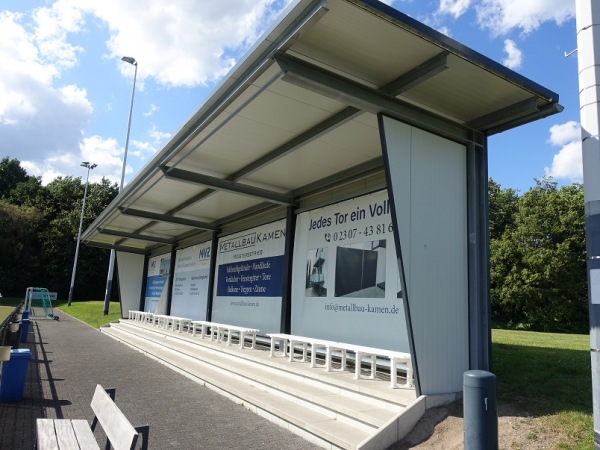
442, 428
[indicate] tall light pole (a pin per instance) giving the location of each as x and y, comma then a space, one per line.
89, 167
588, 45
111, 263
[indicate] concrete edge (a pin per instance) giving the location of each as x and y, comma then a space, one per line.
398, 427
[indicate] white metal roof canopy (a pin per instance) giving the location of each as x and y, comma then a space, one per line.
295, 126
298, 116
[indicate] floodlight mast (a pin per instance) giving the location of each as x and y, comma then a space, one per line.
111, 263
89, 167
588, 43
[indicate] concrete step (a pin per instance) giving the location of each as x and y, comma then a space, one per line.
291, 385
337, 380
330, 409
325, 430
377, 389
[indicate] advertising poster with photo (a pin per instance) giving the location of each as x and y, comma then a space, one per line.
249, 284
156, 284
190, 281
345, 275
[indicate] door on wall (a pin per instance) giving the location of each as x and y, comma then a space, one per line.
356, 269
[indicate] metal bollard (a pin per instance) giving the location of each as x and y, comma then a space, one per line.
479, 410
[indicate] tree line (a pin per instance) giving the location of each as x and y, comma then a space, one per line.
537, 246
538, 277
38, 233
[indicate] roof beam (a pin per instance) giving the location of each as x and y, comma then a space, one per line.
167, 218
140, 237
345, 90
514, 116
401, 84
221, 184
418, 75
524, 108
118, 248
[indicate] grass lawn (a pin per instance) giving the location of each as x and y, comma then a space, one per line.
549, 375
5, 312
90, 312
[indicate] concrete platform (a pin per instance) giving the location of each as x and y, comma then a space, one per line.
329, 409
70, 358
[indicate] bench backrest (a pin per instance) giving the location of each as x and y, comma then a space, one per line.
121, 434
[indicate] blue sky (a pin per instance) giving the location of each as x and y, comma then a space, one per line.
65, 93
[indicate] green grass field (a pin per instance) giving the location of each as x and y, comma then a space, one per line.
546, 374
90, 312
5, 312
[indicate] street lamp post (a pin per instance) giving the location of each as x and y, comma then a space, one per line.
89, 167
111, 263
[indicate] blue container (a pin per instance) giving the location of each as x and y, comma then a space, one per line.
24, 329
14, 374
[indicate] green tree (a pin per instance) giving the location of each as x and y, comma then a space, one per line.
503, 204
29, 193
59, 237
11, 174
19, 249
538, 271
39, 232
502, 207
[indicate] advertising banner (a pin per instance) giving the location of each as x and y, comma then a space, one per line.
249, 284
345, 284
156, 281
190, 282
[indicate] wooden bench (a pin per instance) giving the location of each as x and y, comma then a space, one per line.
331, 347
55, 434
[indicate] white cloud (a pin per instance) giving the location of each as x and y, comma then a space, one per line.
567, 163
145, 149
514, 56
502, 16
159, 137
152, 110
182, 42
51, 30
106, 153
455, 8
177, 43
565, 133
38, 120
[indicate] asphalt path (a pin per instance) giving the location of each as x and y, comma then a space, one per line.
69, 358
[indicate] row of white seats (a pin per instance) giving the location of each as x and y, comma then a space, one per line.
219, 330
162, 320
290, 341
216, 331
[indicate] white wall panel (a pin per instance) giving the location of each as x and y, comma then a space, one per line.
131, 276
428, 180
